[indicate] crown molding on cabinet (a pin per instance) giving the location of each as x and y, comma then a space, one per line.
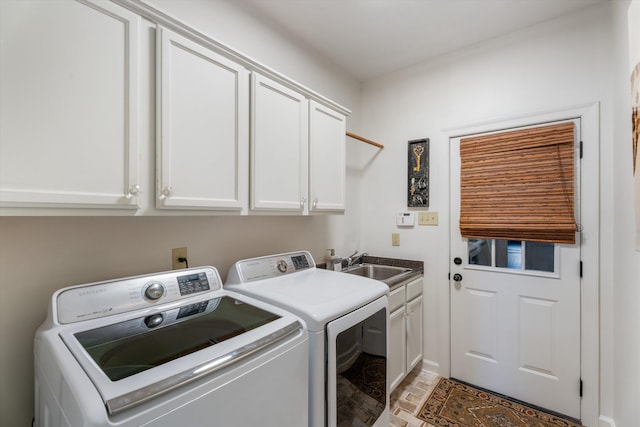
159, 17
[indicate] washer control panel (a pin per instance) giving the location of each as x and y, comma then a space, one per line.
249, 270
78, 303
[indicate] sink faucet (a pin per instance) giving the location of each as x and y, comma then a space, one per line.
352, 259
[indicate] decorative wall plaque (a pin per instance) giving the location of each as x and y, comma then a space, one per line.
418, 173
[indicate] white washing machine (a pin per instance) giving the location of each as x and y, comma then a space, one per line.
347, 318
166, 350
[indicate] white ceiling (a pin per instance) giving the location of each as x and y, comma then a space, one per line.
369, 38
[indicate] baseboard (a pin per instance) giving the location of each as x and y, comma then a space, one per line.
431, 367
606, 422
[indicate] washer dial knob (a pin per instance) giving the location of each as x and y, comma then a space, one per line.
154, 291
153, 320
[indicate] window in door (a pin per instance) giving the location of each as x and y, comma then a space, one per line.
513, 255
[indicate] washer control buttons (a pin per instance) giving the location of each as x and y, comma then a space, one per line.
153, 291
192, 283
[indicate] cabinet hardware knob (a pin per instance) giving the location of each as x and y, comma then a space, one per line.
166, 193
315, 203
134, 191
303, 201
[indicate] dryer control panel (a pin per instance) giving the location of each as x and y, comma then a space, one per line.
270, 266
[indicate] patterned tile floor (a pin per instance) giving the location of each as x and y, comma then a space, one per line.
407, 399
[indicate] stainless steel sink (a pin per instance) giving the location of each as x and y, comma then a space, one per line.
376, 271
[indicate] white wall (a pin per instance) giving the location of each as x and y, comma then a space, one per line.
556, 65
626, 260
41, 255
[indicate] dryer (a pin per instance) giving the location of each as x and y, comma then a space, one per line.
347, 318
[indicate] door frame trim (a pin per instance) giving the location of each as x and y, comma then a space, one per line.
589, 115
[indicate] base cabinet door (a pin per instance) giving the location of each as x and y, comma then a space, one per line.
68, 116
414, 332
397, 348
203, 127
405, 334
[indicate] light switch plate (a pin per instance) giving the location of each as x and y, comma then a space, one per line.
395, 239
428, 218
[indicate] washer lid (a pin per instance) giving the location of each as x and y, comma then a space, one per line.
135, 359
316, 295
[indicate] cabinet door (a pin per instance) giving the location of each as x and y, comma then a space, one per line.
279, 147
327, 158
203, 122
397, 348
414, 332
68, 110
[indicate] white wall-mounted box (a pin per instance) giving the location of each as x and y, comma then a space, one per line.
406, 219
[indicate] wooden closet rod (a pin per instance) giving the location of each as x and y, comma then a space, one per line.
363, 139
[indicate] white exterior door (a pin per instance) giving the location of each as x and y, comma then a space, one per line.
515, 313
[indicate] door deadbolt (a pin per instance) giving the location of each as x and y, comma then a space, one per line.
457, 260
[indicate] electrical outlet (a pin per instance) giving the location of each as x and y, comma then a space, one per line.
176, 254
428, 218
395, 239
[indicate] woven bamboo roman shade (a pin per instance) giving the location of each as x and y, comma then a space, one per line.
519, 185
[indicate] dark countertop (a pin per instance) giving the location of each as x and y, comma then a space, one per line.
396, 262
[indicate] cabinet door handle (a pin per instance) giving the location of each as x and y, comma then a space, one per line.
315, 203
134, 191
302, 202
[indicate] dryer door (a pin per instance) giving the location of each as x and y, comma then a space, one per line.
357, 385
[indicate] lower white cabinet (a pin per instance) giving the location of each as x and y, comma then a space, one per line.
405, 330
397, 346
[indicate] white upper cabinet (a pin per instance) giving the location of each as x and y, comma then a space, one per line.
327, 158
116, 108
202, 127
68, 125
298, 157
279, 147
